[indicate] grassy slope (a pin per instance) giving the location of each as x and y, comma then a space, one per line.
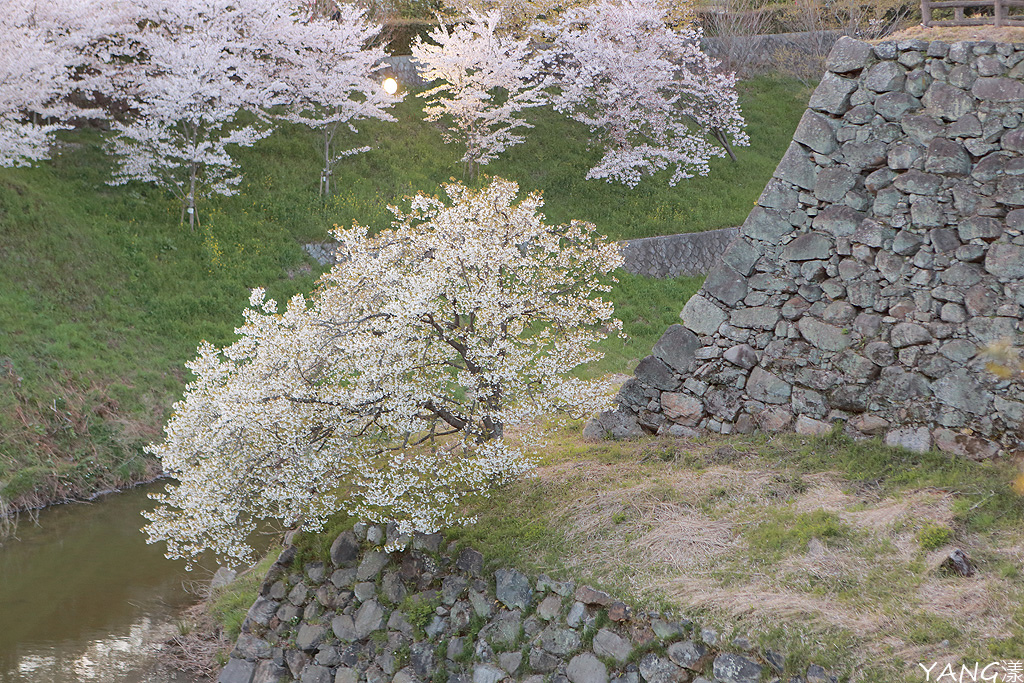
103, 296
555, 159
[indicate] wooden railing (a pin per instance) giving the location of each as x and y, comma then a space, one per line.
1000, 13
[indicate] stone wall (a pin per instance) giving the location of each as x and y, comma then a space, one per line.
690, 253
401, 68
884, 254
759, 52
430, 615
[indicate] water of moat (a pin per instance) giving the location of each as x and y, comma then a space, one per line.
84, 598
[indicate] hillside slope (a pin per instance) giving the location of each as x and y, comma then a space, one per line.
104, 296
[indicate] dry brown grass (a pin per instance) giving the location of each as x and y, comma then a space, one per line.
952, 34
677, 532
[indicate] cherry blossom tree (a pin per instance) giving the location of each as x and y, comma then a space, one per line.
389, 393
32, 78
330, 75
199, 86
648, 93
50, 52
486, 80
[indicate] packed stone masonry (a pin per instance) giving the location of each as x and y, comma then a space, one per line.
664, 256
427, 615
883, 255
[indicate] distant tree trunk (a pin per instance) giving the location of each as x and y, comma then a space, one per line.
192, 200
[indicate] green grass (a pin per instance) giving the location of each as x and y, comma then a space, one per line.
229, 605
104, 296
779, 532
555, 159
646, 308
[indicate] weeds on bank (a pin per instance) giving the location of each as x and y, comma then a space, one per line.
229, 605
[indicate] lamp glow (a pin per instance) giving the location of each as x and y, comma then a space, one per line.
390, 86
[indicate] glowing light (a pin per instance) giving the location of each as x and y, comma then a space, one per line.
390, 86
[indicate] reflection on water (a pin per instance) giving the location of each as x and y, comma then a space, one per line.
84, 598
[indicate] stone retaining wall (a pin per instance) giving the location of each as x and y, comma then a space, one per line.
428, 614
402, 69
883, 256
761, 51
691, 253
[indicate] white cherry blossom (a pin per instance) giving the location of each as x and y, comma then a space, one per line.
486, 80
390, 391
652, 99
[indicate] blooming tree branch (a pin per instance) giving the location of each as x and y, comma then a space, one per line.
200, 64
389, 392
486, 80
35, 78
330, 76
648, 93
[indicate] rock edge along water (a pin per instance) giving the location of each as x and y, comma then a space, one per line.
428, 614
883, 256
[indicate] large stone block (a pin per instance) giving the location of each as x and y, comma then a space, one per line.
979, 227
725, 284
677, 348
849, 54
885, 77
742, 256
916, 182
892, 106
839, 221
917, 439
810, 246
1005, 261
730, 668
702, 316
965, 445
742, 355
1010, 190
797, 167
237, 671
909, 334
947, 102
609, 644
682, 409
620, 424
816, 131
961, 391
767, 225
755, 318
832, 94
1013, 140
822, 335
833, 183
865, 155
947, 157
998, 89
778, 195
654, 372
586, 668
766, 387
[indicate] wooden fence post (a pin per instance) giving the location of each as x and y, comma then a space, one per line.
998, 10
926, 13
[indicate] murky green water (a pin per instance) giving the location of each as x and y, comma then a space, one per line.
83, 598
